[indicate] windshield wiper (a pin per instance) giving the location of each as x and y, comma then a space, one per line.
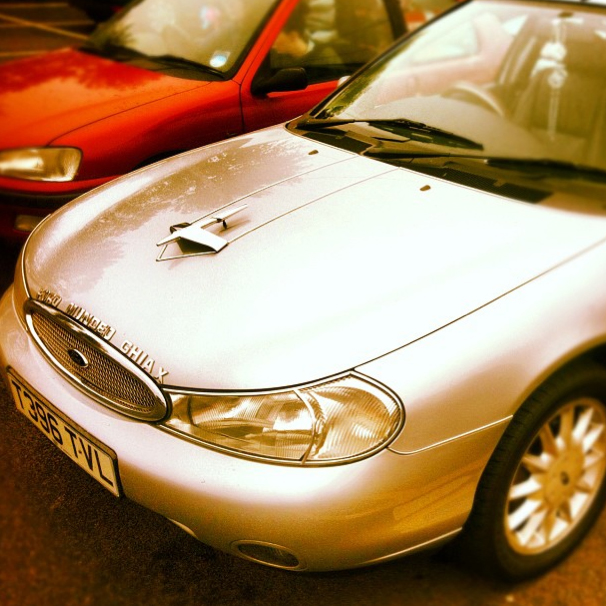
322, 123
543, 165
536, 168
90, 47
411, 129
175, 61
114, 51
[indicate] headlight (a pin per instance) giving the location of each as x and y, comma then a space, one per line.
41, 164
345, 418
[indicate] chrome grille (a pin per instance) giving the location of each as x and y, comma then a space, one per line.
104, 374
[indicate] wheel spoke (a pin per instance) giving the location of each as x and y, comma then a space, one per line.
565, 512
536, 464
550, 525
592, 459
548, 440
582, 425
584, 486
531, 531
565, 435
522, 514
591, 437
525, 489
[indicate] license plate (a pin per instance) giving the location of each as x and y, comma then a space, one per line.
92, 456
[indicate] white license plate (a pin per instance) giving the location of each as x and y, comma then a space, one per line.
95, 458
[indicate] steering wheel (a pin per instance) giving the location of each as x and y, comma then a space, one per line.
472, 93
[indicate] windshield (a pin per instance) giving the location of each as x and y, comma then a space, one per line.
211, 33
516, 80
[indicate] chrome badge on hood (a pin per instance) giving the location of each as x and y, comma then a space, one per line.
194, 233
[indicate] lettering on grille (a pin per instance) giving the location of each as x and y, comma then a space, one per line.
94, 366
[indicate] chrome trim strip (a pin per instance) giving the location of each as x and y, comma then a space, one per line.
453, 438
162, 406
301, 564
448, 536
303, 462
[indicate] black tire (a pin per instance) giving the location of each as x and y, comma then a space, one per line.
563, 481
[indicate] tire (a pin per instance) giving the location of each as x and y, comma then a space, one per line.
545, 485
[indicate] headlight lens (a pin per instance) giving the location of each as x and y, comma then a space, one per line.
41, 164
345, 418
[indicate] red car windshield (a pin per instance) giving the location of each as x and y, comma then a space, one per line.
211, 33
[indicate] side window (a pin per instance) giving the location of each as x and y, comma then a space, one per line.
331, 38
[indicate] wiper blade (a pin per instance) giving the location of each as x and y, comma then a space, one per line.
93, 48
398, 152
322, 123
412, 130
116, 51
186, 63
548, 165
425, 133
532, 167
108, 49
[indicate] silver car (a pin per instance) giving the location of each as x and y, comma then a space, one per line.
337, 341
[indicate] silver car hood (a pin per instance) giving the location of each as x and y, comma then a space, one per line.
336, 259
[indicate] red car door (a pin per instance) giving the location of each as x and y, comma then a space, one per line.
306, 47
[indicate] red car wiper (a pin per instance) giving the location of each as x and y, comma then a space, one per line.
113, 51
175, 61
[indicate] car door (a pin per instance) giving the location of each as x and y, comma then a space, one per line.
305, 49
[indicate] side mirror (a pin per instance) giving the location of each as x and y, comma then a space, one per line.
286, 79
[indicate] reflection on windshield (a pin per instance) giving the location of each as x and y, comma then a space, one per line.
211, 33
524, 81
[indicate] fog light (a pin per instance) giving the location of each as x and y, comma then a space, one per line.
268, 554
27, 222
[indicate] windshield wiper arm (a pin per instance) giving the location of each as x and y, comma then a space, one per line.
532, 167
107, 49
173, 60
412, 130
322, 123
116, 51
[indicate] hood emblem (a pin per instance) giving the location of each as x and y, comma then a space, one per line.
194, 234
78, 358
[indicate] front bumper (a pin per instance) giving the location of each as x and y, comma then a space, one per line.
24, 203
322, 517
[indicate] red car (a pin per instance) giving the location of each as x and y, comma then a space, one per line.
165, 76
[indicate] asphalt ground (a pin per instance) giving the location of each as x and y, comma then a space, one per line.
29, 27
66, 541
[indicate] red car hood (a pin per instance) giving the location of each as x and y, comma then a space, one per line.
58, 92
